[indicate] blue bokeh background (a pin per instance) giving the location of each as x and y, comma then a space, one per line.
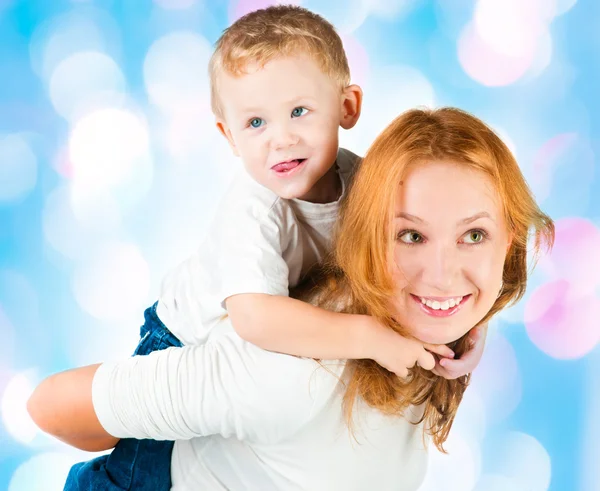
111, 168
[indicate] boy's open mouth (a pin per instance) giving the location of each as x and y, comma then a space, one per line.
287, 166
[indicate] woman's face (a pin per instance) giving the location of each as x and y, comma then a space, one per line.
450, 244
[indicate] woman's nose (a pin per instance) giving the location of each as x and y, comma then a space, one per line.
441, 268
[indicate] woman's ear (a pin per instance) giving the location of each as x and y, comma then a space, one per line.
351, 106
226, 132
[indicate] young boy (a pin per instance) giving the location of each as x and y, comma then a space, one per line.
280, 91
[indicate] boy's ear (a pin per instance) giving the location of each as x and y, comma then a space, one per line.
351, 106
225, 131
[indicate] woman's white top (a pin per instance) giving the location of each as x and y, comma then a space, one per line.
249, 419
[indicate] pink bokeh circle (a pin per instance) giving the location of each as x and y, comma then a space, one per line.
488, 67
575, 255
562, 323
239, 8
358, 59
566, 152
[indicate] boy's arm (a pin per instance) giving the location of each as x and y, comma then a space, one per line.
288, 325
62, 407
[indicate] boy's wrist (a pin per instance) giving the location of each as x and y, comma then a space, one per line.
363, 332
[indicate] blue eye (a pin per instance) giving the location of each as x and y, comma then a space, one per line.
256, 122
299, 111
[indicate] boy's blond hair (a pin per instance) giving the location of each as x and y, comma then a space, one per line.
281, 30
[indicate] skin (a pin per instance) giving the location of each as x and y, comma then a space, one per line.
451, 241
288, 109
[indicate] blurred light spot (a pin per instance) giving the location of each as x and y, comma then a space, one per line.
562, 323
497, 378
239, 8
575, 255
358, 59
18, 168
458, 470
542, 56
175, 4
488, 67
46, 471
563, 6
345, 15
511, 27
524, 460
494, 482
14, 413
7, 346
470, 418
114, 283
175, 72
109, 151
86, 81
397, 88
72, 226
64, 35
388, 9
21, 305
563, 168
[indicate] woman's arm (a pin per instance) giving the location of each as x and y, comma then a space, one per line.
227, 387
62, 406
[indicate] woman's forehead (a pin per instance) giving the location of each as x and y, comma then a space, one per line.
447, 190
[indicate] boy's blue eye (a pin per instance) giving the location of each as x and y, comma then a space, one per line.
299, 111
256, 122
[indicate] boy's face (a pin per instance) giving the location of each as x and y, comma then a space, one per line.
282, 120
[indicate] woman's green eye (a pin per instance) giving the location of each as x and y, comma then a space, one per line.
410, 237
474, 237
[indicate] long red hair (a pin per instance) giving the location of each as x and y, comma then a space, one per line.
358, 280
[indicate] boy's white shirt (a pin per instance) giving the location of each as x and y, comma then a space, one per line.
258, 243
245, 418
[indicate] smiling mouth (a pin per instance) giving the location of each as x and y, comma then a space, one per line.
441, 306
287, 166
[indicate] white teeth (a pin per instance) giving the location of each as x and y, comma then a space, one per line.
445, 305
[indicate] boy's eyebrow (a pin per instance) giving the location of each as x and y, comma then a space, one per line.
250, 110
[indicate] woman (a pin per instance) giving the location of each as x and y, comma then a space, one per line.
432, 241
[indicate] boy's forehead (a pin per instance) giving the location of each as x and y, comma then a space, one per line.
283, 78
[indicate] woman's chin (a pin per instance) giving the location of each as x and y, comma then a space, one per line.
438, 334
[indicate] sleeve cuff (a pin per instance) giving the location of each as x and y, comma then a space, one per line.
101, 400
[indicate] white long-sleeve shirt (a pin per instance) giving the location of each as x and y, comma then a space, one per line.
257, 243
248, 419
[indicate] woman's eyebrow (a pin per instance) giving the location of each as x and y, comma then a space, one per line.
410, 218
477, 216
464, 221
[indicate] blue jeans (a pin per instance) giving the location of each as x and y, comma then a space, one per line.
133, 464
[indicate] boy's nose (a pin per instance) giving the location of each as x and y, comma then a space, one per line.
283, 138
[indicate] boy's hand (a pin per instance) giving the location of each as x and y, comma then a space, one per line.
451, 369
398, 354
